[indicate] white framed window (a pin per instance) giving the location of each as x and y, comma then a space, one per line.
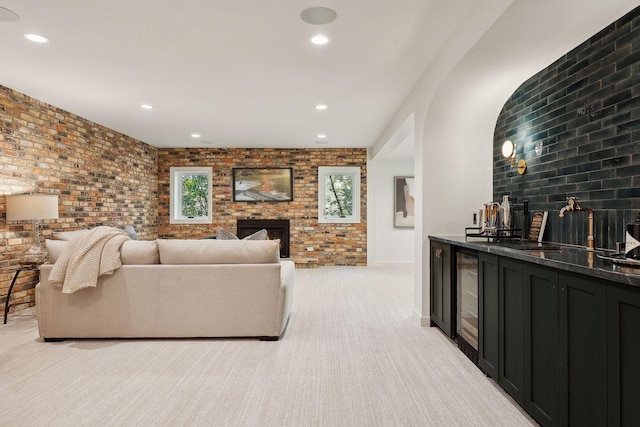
190, 195
339, 194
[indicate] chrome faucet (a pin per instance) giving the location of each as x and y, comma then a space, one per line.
572, 206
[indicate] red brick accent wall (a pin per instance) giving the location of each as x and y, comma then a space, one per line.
101, 177
333, 244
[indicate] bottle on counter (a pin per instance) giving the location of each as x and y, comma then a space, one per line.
506, 215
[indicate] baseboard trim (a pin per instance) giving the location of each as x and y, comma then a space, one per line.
424, 320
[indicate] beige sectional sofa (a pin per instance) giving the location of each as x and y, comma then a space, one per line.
174, 289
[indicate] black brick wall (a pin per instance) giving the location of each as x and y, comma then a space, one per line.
585, 111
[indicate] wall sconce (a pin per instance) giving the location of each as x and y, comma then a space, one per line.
509, 152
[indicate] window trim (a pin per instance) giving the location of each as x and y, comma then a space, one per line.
175, 200
323, 172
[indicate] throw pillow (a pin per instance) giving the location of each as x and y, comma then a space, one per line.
131, 231
223, 234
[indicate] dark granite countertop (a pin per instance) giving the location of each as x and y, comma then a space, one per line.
562, 257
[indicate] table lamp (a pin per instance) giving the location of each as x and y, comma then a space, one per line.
32, 207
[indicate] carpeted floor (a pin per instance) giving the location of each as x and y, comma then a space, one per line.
353, 355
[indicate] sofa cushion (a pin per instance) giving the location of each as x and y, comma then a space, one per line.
131, 252
68, 235
55, 249
138, 252
219, 251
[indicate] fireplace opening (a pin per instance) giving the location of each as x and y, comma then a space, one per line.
276, 229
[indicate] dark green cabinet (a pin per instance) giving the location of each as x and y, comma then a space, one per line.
488, 315
541, 344
542, 338
565, 346
623, 356
583, 398
511, 327
565, 342
442, 312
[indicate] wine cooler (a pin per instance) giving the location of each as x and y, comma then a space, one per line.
467, 303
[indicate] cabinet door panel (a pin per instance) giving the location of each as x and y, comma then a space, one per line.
436, 284
511, 279
623, 354
488, 310
541, 344
583, 345
441, 310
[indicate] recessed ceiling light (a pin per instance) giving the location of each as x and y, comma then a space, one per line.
319, 39
7, 15
37, 38
195, 135
146, 106
320, 107
318, 15
322, 135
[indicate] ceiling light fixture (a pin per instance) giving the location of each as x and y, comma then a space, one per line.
319, 39
318, 15
322, 135
195, 135
146, 106
7, 15
37, 38
320, 107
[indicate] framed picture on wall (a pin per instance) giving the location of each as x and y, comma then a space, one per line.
262, 184
404, 202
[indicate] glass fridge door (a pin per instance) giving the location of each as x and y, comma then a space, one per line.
467, 290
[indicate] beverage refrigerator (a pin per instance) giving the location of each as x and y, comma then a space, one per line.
467, 303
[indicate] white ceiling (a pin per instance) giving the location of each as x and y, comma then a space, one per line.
242, 73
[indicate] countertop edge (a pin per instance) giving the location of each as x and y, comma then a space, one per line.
602, 269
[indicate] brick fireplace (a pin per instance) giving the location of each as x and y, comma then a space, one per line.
276, 229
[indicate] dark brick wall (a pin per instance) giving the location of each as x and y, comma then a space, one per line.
333, 244
585, 111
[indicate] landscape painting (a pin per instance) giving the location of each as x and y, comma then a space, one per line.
262, 184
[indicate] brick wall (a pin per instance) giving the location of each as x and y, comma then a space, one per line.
101, 177
584, 109
334, 244
105, 178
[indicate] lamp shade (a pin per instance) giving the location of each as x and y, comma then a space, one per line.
32, 207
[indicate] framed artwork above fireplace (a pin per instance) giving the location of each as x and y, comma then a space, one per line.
262, 184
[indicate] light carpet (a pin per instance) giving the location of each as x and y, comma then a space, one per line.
353, 355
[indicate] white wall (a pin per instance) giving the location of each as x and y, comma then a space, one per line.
388, 244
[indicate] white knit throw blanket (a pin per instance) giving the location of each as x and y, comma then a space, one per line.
87, 257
